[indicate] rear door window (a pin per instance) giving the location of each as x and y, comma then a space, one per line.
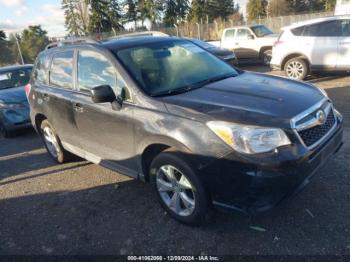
298, 31
325, 29
61, 72
345, 25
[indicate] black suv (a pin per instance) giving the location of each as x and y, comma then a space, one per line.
164, 110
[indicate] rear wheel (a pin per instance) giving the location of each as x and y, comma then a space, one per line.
179, 190
296, 68
53, 143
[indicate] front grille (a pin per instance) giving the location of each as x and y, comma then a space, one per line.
313, 135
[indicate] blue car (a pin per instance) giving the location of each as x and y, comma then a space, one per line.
14, 107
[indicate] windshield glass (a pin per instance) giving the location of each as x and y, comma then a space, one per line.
172, 67
261, 30
14, 78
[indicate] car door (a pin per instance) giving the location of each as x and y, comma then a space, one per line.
245, 44
343, 60
54, 91
228, 40
106, 135
320, 41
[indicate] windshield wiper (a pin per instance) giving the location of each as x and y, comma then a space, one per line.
194, 86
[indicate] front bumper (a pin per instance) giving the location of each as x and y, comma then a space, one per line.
14, 120
257, 185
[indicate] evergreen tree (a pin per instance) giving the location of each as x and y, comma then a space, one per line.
297, 6
198, 11
5, 53
175, 11
256, 9
150, 9
105, 16
329, 5
71, 19
222, 8
309, 6
131, 11
278, 8
33, 40
76, 13
2, 35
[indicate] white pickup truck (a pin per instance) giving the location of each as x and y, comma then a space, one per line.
249, 42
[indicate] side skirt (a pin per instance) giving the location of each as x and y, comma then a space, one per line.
102, 162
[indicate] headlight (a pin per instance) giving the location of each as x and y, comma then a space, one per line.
249, 139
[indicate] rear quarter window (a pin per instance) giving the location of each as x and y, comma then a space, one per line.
298, 31
41, 68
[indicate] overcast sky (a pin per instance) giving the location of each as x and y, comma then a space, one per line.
18, 14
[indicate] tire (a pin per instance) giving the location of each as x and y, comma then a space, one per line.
266, 57
185, 199
296, 68
54, 148
3, 131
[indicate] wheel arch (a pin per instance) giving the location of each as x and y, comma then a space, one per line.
152, 147
39, 118
263, 49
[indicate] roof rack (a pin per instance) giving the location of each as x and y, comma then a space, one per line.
139, 34
71, 41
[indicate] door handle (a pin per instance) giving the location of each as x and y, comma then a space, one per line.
78, 107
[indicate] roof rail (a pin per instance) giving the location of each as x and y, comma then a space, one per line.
139, 34
71, 41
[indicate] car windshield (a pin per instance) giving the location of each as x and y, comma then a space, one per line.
261, 30
14, 78
172, 67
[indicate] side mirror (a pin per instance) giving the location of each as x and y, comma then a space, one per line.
251, 37
103, 94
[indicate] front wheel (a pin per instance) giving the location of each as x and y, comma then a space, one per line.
179, 190
266, 57
297, 68
3, 131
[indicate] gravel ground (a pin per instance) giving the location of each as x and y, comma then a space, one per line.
81, 208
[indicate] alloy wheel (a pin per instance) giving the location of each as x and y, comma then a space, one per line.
175, 190
295, 70
51, 141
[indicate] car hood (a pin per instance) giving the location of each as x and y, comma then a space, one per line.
13, 95
249, 98
221, 52
271, 36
